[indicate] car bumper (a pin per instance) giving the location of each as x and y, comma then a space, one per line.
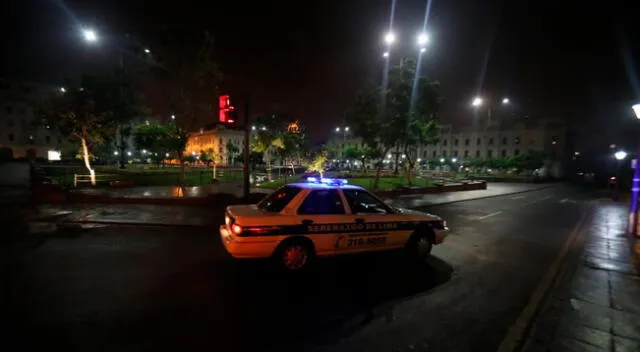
248, 247
441, 234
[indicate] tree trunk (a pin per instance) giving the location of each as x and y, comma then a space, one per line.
181, 161
214, 170
87, 163
269, 176
376, 179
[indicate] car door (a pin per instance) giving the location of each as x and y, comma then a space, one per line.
322, 214
383, 228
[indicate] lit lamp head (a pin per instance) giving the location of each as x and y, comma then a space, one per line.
619, 155
636, 110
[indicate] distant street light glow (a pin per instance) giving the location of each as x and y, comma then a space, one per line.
422, 50
337, 129
390, 38
636, 109
62, 89
453, 160
147, 51
385, 54
477, 101
173, 117
442, 160
89, 35
505, 101
619, 155
346, 129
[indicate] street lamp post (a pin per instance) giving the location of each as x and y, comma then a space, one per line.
619, 155
635, 185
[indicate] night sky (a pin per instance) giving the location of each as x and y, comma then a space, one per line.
308, 58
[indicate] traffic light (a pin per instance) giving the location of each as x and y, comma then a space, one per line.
227, 113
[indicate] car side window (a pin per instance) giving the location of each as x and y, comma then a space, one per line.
362, 202
322, 202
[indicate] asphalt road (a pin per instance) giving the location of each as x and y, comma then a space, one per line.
159, 288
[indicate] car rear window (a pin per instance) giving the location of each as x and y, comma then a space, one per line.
279, 199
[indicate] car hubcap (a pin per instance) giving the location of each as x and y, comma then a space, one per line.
424, 247
295, 257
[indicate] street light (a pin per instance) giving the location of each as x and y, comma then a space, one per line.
619, 155
442, 160
89, 35
422, 50
453, 160
62, 89
477, 101
423, 39
385, 54
389, 38
173, 117
505, 101
337, 129
147, 51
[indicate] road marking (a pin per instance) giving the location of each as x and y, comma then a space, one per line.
518, 197
516, 332
538, 200
563, 200
490, 215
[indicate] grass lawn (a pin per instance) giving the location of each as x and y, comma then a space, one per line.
385, 184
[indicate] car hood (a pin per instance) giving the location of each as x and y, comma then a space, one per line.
405, 211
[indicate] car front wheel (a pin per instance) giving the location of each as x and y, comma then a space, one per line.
419, 246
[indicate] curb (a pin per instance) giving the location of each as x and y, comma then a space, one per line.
487, 197
133, 223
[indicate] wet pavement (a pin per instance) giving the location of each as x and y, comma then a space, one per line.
493, 189
597, 306
229, 187
206, 215
139, 288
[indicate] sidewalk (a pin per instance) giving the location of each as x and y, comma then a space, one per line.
160, 192
598, 307
179, 215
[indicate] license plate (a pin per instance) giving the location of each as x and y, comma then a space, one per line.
365, 241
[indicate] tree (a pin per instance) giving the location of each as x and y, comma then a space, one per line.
318, 163
351, 152
152, 138
232, 151
267, 139
293, 148
84, 113
401, 115
176, 142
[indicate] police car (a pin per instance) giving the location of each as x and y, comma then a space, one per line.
325, 217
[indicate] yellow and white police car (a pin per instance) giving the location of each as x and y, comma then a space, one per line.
325, 217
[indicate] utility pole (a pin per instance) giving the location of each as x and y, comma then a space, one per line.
245, 166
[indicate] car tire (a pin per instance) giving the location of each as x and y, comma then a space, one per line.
420, 245
295, 255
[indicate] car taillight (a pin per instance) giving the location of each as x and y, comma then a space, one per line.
236, 229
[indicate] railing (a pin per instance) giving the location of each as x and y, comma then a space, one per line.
87, 179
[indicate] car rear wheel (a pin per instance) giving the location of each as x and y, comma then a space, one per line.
295, 255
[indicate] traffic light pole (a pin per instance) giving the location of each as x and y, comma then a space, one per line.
245, 165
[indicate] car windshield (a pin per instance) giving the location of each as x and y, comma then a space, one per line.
279, 199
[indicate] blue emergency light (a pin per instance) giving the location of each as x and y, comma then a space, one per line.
328, 181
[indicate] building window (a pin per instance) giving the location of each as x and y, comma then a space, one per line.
489, 153
455, 142
479, 141
9, 110
516, 152
554, 140
477, 153
444, 142
490, 141
517, 140
504, 153
444, 153
424, 154
10, 137
466, 141
47, 139
455, 153
434, 153
10, 123
504, 140
466, 153
32, 139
